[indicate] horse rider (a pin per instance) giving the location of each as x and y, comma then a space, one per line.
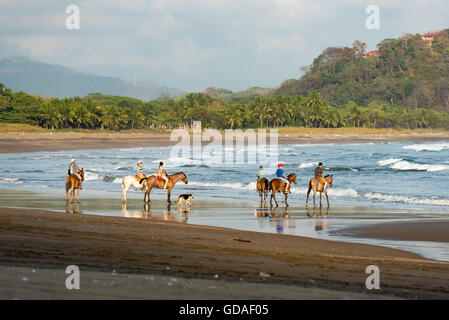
261, 173
280, 174
319, 175
140, 175
73, 169
162, 174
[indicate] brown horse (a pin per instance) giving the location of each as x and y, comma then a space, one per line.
318, 186
277, 185
263, 185
72, 183
154, 182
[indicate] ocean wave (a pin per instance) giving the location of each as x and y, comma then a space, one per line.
10, 180
307, 165
388, 161
236, 185
403, 165
102, 178
407, 199
428, 147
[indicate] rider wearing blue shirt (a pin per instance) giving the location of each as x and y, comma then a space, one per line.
280, 174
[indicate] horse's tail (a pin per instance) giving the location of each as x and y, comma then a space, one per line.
141, 180
123, 183
270, 185
267, 185
310, 186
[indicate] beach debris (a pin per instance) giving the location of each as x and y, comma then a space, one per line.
240, 240
216, 276
167, 268
312, 281
264, 274
24, 278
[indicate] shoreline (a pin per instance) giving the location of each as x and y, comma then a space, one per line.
52, 240
21, 142
403, 231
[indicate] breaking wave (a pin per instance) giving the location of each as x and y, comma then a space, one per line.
407, 199
428, 147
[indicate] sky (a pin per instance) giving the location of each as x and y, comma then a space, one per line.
194, 44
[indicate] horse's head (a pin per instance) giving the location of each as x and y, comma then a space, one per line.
81, 173
292, 178
184, 178
329, 179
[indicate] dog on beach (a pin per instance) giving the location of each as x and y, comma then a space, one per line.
185, 198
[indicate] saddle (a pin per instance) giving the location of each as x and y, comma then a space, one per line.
160, 179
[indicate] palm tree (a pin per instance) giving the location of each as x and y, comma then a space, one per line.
112, 117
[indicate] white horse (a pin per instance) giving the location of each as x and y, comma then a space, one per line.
129, 181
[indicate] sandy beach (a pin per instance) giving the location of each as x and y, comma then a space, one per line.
18, 142
206, 262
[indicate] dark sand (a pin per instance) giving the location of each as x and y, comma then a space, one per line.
33, 142
233, 264
407, 231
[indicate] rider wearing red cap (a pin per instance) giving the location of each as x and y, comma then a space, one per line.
280, 174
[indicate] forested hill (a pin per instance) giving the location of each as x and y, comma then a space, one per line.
411, 71
35, 77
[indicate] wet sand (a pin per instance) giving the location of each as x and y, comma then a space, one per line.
233, 263
404, 231
33, 142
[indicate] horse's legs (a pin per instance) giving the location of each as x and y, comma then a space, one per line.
327, 198
308, 193
314, 196
286, 196
168, 196
78, 195
321, 196
274, 196
124, 191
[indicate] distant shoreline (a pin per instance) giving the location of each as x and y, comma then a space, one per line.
20, 142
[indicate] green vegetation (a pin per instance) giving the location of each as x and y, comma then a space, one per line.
409, 72
98, 111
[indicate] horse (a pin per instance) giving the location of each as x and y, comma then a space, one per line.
129, 181
157, 182
277, 185
73, 183
262, 188
318, 186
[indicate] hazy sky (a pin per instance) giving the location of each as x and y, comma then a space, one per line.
193, 44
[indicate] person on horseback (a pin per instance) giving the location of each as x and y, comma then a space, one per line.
140, 174
319, 175
261, 173
73, 169
280, 174
162, 174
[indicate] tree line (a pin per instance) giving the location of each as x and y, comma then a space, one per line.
97, 111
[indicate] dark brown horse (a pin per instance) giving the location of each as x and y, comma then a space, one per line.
278, 185
263, 186
72, 183
318, 186
155, 182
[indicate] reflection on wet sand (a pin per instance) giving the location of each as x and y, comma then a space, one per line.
165, 215
279, 218
319, 224
73, 207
